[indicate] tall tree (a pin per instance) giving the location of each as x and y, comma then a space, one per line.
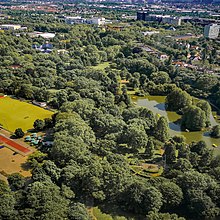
149, 150
161, 130
170, 153
205, 106
194, 119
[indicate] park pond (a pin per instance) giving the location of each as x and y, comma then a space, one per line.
157, 105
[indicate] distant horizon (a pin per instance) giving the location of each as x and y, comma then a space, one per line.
124, 1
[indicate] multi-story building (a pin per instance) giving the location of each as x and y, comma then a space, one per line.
211, 31
142, 15
145, 16
171, 20
98, 21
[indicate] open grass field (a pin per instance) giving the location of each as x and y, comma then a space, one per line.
101, 66
99, 215
17, 114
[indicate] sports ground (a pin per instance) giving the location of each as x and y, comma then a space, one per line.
12, 163
17, 114
14, 145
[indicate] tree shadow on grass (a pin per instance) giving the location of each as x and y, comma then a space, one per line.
124, 149
13, 136
26, 166
32, 130
206, 134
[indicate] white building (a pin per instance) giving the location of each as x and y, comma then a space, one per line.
211, 31
98, 21
41, 34
149, 33
10, 27
75, 20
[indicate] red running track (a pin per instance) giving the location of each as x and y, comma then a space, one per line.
14, 144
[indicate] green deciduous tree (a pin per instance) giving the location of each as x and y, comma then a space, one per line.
194, 119
136, 136
163, 216
78, 211
139, 198
205, 106
149, 150
7, 202
19, 133
161, 129
183, 165
170, 153
178, 99
39, 125
45, 198
215, 132
16, 181
172, 195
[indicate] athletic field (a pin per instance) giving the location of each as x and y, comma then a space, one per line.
17, 114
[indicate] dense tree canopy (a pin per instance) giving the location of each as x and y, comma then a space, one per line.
105, 150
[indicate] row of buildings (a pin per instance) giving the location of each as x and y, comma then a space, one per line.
145, 16
210, 30
80, 20
12, 27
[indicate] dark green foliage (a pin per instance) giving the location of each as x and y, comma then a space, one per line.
183, 165
19, 133
179, 138
7, 202
48, 123
177, 100
78, 211
45, 199
161, 129
135, 136
98, 133
196, 188
139, 198
205, 106
16, 181
172, 195
170, 153
194, 119
163, 216
149, 151
215, 132
39, 125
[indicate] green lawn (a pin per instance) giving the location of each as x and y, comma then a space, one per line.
101, 66
17, 114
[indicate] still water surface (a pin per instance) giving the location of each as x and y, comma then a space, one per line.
157, 105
